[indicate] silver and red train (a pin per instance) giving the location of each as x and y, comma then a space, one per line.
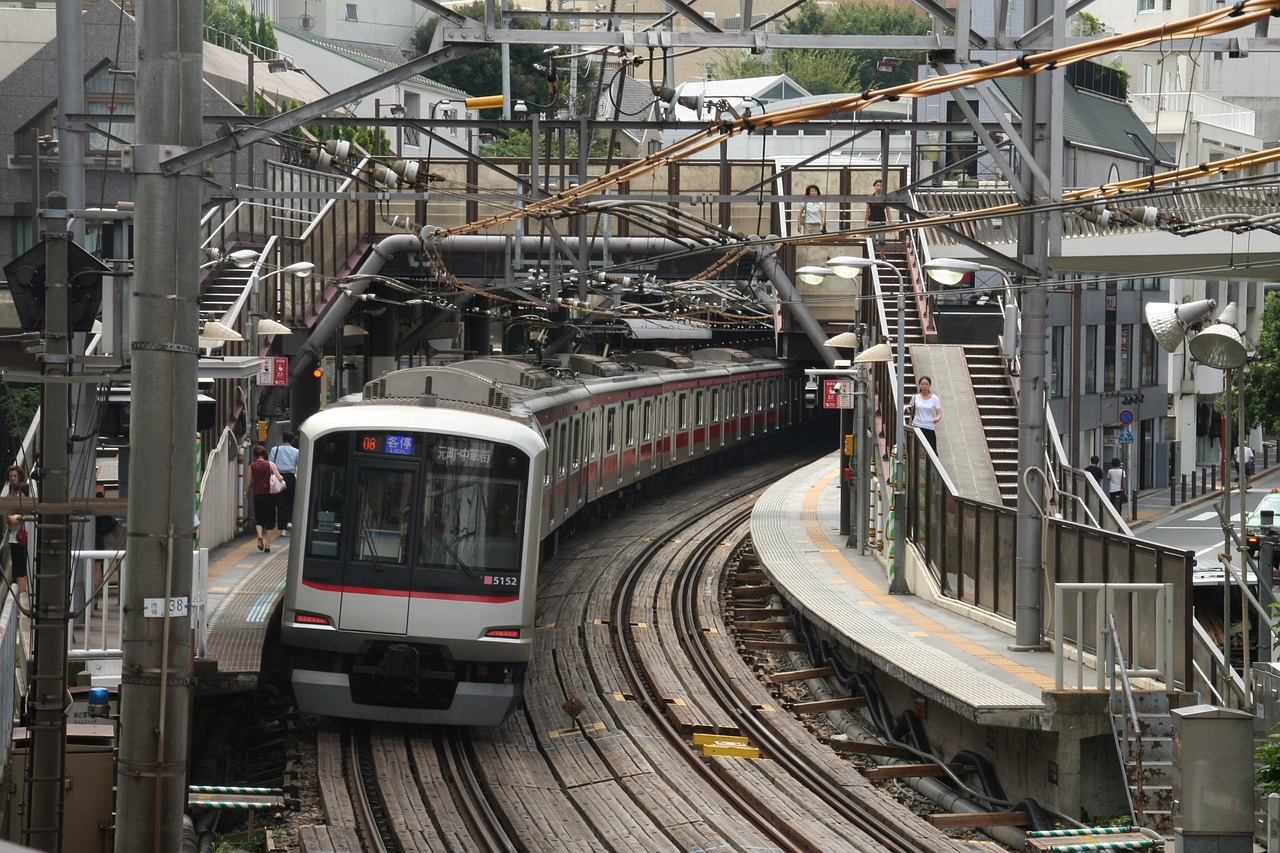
423, 507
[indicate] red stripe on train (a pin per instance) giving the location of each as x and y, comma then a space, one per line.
398, 593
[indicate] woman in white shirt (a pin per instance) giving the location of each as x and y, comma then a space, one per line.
813, 213
926, 411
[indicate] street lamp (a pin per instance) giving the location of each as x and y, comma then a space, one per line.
851, 266
1219, 345
812, 275
298, 269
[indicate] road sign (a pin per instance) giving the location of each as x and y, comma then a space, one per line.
1125, 436
1126, 417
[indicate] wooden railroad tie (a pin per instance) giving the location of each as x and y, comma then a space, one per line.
822, 706
801, 675
904, 771
764, 625
966, 820
772, 645
862, 747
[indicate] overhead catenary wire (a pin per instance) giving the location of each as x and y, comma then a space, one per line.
1206, 24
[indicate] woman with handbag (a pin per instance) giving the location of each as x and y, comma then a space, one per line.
19, 528
263, 484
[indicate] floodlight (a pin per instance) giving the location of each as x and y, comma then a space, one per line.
1170, 323
1220, 345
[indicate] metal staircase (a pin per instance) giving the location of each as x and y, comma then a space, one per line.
1143, 730
913, 325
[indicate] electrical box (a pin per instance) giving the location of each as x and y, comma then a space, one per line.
1213, 777
88, 788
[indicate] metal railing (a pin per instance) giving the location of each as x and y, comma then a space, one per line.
1156, 647
969, 547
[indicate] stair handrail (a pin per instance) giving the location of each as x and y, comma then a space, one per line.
1120, 730
1200, 639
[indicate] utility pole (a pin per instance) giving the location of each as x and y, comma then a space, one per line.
46, 764
155, 690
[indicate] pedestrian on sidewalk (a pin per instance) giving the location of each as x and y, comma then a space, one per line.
285, 457
258, 485
1247, 452
1117, 485
925, 411
1095, 470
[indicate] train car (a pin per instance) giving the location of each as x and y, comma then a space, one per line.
423, 507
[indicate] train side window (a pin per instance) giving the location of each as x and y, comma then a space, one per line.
646, 420
759, 396
562, 439
576, 450
699, 408
629, 425
593, 446
682, 414
611, 430
715, 405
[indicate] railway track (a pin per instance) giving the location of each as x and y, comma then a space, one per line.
631, 658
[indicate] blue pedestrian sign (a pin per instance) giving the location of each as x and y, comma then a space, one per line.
1125, 436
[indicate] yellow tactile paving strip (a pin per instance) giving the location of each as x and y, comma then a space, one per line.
897, 604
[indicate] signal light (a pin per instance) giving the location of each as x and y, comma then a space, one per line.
811, 394
317, 372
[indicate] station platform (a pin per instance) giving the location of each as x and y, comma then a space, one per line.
954, 666
244, 586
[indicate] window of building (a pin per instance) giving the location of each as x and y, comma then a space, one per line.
1090, 366
1147, 372
1057, 360
1124, 348
109, 95
1146, 6
351, 12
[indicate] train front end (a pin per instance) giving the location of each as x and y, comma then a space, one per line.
413, 574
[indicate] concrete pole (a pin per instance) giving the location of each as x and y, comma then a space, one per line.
898, 577
155, 697
46, 764
1041, 131
70, 24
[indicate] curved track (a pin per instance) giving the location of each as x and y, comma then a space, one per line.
631, 659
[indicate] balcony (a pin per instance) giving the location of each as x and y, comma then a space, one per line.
1158, 109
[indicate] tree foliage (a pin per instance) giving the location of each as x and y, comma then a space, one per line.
18, 406
234, 18
1262, 380
836, 70
480, 72
516, 144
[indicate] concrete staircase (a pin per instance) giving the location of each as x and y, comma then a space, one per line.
994, 396
1146, 753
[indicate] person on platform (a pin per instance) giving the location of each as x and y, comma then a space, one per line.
926, 411
258, 486
20, 527
878, 210
813, 213
285, 457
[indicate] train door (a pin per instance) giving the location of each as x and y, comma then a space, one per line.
612, 447
595, 483
631, 441
715, 420
376, 577
578, 463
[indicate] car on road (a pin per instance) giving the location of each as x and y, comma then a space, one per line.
1253, 529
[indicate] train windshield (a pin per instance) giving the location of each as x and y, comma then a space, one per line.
428, 501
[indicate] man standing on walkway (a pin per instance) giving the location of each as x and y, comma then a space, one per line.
285, 455
1117, 485
1095, 470
1247, 452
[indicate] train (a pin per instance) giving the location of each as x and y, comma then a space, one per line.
424, 506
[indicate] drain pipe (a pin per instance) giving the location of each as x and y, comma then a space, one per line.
331, 322
935, 791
